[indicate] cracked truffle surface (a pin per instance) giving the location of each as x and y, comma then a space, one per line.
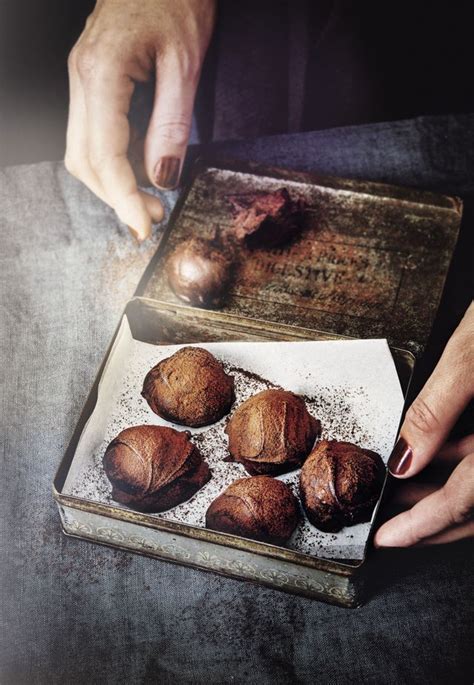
190, 388
340, 484
154, 468
266, 219
261, 508
271, 432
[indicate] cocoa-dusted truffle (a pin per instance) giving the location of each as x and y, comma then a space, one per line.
340, 484
271, 432
261, 508
189, 388
154, 468
199, 272
266, 219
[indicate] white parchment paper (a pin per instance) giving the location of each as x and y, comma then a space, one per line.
352, 387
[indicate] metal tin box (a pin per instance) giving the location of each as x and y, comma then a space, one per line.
371, 261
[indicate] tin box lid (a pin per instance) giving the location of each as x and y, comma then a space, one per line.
370, 261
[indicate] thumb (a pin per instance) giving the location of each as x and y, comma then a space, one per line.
170, 122
432, 415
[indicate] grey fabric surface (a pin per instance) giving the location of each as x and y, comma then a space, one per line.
74, 612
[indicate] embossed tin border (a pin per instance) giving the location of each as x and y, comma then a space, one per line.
316, 583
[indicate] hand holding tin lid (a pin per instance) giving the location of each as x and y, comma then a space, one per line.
445, 514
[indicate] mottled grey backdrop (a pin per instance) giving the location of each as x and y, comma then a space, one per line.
74, 612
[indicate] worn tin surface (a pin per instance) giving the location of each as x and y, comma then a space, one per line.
371, 260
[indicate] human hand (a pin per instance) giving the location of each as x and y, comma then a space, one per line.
125, 42
445, 514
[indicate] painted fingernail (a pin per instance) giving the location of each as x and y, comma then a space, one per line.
167, 172
400, 459
135, 234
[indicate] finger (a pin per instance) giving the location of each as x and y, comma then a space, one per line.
430, 418
405, 497
107, 94
408, 494
136, 157
76, 159
170, 122
453, 452
466, 530
450, 506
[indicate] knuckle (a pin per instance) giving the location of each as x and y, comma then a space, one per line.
72, 60
186, 63
422, 417
86, 63
101, 158
189, 68
90, 62
458, 492
71, 165
174, 131
99, 162
460, 352
413, 536
458, 509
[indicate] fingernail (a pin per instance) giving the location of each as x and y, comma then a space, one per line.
167, 172
400, 459
135, 234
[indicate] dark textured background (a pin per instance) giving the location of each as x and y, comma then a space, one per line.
74, 612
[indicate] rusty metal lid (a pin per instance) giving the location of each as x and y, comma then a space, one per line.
371, 260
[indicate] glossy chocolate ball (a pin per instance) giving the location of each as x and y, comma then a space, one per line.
199, 272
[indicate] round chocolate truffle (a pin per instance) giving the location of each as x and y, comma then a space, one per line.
261, 508
190, 388
199, 272
340, 484
154, 468
271, 432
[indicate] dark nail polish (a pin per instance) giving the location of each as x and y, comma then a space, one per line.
400, 459
167, 172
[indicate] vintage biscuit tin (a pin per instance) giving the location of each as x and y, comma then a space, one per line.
371, 262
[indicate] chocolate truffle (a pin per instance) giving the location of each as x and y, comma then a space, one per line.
340, 484
189, 388
199, 272
266, 219
154, 468
261, 508
271, 432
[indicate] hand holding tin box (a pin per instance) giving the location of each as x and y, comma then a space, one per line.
445, 514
